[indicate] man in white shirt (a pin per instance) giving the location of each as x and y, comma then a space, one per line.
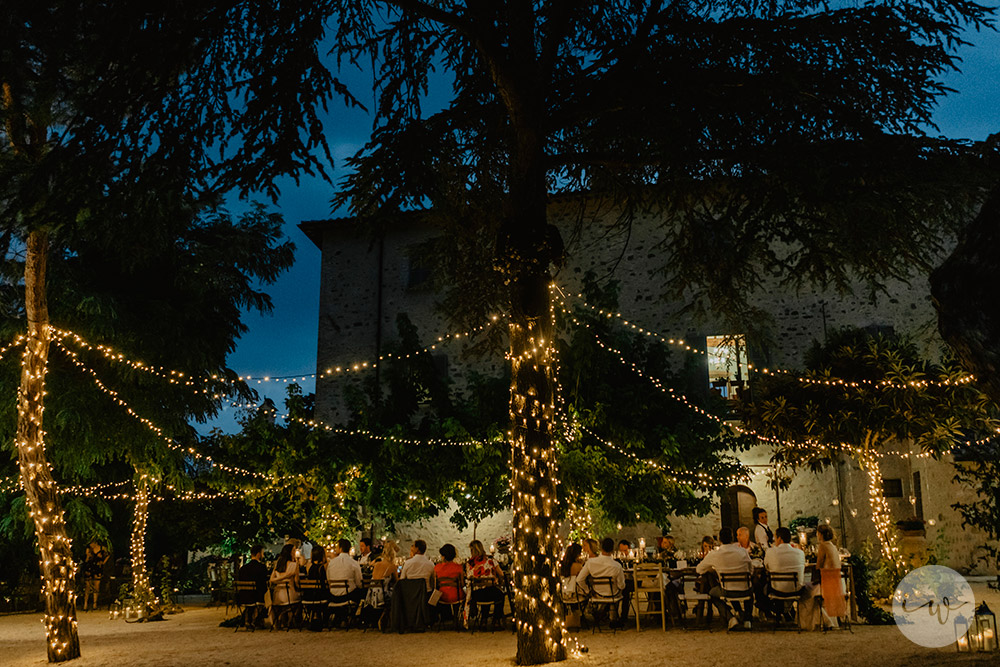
365, 551
418, 566
730, 558
343, 567
603, 565
785, 558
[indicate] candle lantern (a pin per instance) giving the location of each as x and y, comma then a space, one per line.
963, 636
986, 629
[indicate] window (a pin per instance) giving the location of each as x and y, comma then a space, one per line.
918, 497
727, 363
418, 269
892, 487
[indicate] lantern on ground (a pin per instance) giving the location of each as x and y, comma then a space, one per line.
963, 635
985, 627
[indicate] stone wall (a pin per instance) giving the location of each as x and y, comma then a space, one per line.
349, 332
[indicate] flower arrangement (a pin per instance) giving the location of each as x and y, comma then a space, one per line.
502, 543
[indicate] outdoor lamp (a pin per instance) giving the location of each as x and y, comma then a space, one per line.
963, 637
986, 629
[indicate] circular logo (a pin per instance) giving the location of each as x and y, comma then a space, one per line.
933, 606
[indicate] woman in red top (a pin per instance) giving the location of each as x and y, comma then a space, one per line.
449, 569
486, 578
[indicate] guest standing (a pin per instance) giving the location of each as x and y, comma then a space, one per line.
762, 534
93, 570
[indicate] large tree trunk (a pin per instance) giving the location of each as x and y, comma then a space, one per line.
964, 291
55, 559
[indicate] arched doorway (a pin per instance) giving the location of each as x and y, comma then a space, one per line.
737, 507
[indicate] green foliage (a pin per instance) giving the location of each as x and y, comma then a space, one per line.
978, 468
863, 593
868, 415
612, 402
781, 139
804, 522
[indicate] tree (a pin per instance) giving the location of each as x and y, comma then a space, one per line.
99, 98
746, 122
634, 454
979, 470
860, 396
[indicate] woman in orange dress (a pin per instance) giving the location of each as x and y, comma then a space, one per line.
831, 583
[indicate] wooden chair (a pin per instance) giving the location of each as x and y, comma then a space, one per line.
346, 608
604, 595
477, 609
689, 594
790, 582
244, 599
455, 608
736, 588
314, 602
284, 613
648, 579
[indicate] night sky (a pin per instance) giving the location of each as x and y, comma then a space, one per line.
284, 342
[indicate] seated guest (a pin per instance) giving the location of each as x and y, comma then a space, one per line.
284, 583
480, 566
449, 569
623, 556
317, 565
591, 548
384, 568
666, 547
418, 566
343, 567
365, 551
570, 566
730, 558
785, 558
317, 573
762, 534
743, 537
254, 570
603, 566
707, 545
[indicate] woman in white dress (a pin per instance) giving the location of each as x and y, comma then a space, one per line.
284, 584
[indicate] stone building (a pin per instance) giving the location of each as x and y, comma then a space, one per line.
367, 281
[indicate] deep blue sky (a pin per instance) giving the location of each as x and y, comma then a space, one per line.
284, 342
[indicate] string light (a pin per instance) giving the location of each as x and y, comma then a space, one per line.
181, 378
831, 381
187, 451
57, 568
693, 478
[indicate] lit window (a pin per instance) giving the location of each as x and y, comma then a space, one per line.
727, 363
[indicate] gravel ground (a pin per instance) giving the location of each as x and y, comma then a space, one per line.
194, 638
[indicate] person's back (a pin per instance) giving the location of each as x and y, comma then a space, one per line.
418, 566
785, 558
449, 569
602, 565
254, 570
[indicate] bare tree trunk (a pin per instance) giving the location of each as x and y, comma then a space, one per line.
55, 558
